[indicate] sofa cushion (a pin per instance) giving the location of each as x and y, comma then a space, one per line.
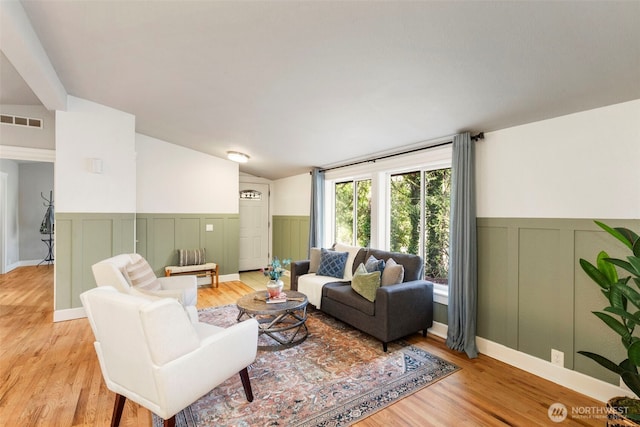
346, 295
311, 285
140, 275
314, 260
393, 273
332, 263
191, 257
374, 264
365, 283
353, 252
413, 264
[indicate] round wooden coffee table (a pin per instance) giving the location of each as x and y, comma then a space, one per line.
282, 322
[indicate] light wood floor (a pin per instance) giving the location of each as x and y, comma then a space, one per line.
49, 374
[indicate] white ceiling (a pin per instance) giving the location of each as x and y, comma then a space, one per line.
297, 84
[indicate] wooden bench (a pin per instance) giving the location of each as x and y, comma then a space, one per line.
203, 270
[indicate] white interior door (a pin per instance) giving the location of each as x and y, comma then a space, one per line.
254, 226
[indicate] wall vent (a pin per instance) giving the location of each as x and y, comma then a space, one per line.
7, 119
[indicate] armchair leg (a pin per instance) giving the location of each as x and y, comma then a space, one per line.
384, 346
424, 333
246, 384
171, 422
118, 406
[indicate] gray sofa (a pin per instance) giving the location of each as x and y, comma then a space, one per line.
398, 310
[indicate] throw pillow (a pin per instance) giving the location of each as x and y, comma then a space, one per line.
352, 251
366, 284
191, 257
314, 260
374, 264
332, 263
393, 273
140, 275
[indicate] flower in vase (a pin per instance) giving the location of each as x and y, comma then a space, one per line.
276, 269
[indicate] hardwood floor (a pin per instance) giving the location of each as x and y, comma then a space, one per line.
49, 373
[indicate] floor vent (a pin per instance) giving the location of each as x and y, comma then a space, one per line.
6, 119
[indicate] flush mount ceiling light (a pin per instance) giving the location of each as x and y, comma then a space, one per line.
237, 156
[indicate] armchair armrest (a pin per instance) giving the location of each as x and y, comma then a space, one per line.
178, 282
187, 286
394, 302
298, 268
219, 356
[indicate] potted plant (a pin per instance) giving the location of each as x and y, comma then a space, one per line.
274, 271
622, 315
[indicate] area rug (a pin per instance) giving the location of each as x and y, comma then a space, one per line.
336, 377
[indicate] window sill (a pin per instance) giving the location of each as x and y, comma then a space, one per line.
441, 294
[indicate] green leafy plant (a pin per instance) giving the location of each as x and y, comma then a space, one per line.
622, 314
276, 268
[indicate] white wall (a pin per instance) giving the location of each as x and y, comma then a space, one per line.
174, 179
35, 179
10, 201
292, 196
24, 136
583, 165
85, 131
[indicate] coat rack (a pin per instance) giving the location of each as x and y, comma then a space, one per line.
47, 227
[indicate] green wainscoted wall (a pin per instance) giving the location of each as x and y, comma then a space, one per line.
160, 235
290, 237
82, 239
533, 295
440, 313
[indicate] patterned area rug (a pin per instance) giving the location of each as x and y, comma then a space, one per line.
336, 377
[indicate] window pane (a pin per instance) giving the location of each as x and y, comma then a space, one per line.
405, 212
437, 202
344, 212
363, 213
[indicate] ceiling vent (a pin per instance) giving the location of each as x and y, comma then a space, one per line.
6, 119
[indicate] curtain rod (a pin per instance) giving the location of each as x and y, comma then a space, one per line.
373, 160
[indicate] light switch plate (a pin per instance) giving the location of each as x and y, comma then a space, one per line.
208, 227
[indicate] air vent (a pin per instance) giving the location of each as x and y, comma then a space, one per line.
6, 119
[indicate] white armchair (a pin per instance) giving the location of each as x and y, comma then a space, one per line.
150, 352
114, 272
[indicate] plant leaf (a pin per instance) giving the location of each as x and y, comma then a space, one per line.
636, 247
606, 267
630, 293
595, 274
603, 361
614, 324
622, 234
634, 353
635, 263
623, 264
632, 380
635, 317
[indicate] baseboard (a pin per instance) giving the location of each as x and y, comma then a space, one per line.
68, 314
24, 263
230, 277
581, 383
439, 329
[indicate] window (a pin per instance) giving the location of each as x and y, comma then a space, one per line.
419, 219
353, 212
437, 210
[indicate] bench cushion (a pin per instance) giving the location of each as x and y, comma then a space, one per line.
174, 269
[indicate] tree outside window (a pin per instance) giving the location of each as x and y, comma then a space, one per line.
421, 201
353, 212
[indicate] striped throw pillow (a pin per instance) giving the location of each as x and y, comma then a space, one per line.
191, 257
141, 276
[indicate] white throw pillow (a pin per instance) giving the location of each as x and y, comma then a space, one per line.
353, 251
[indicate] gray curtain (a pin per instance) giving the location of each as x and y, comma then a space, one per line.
316, 217
463, 274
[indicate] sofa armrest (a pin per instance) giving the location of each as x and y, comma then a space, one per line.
298, 268
395, 303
